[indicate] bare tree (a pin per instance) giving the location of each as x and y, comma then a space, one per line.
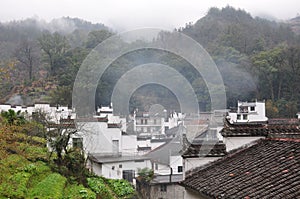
69, 160
59, 133
26, 54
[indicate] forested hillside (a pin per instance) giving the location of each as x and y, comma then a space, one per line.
258, 59
295, 24
39, 60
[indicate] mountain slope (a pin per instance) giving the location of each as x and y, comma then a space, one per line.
255, 56
295, 24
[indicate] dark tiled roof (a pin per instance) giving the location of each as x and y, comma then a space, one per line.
259, 129
109, 158
267, 169
114, 125
283, 121
284, 131
248, 129
200, 149
62, 125
92, 119
144, 148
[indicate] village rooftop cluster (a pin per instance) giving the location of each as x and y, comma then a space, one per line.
237, 153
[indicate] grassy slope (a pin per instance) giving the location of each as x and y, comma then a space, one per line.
25, 173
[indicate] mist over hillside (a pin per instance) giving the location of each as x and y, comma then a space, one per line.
295, 24
258, 59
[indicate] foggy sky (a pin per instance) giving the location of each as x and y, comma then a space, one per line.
132, 14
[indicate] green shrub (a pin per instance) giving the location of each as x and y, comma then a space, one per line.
78, 192
51, 187
40, 171
15, 186
34, 152
9, 167
98, 185
13, 163
15, 182
121, 188
146, 174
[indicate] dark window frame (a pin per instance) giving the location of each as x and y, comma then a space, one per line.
163, 188
77, 143
179, 169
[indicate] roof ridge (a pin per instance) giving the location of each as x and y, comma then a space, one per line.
285, 139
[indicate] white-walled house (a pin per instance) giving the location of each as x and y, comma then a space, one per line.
161, 186
166, 159
148, 124
98, 138
168, 171
200, 152
238, 134
248, 112
53, 113
245, 125
117, 167
111, 152
152, 124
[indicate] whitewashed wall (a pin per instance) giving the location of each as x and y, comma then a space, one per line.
97, 138
112, 170
176, 161
129, 144
192, 163
236, 142
161, 169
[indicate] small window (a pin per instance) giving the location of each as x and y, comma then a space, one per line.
238, 116
245, 117
154, 121
156, 166
146, 121
120, 166
113, 168
244, 109
77, 143
252, 108
163, 187
142, 121
179, 169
